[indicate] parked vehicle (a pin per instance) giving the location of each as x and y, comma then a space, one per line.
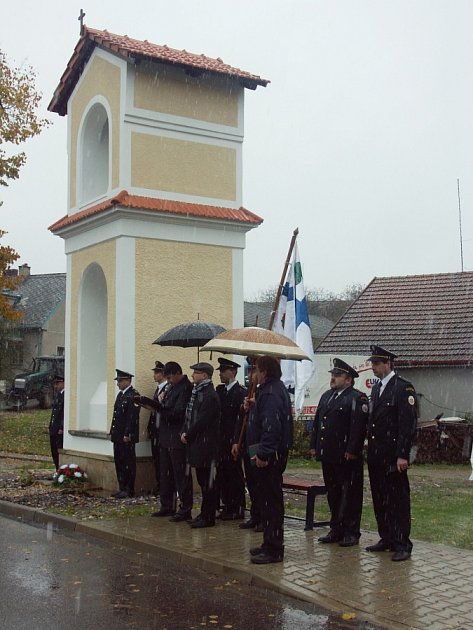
36, 383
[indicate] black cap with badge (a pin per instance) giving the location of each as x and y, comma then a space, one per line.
340, 367
226, 364
122, 374
380, 354
158, 366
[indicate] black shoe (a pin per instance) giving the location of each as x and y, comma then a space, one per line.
331, 537
399, 556
163, 512
265, 558
181, 516
379, 546
256, 551
122, 495
231, 516
115, 494
202, 523
348, 541
196, 519
259, 528
249, 524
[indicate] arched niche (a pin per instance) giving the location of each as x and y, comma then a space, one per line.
92, 350
94, 157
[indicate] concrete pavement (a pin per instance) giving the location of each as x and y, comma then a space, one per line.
434, 589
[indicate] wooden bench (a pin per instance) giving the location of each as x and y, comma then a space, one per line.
313, 489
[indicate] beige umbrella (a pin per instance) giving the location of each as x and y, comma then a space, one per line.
255, 341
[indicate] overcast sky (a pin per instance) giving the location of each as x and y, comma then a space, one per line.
358, 140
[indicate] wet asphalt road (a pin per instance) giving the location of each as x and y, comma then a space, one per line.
61, 580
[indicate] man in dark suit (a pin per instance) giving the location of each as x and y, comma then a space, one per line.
201, 436
337, 441
269, 438
124, 433
230, 479
391, 430
175, 475
56, 423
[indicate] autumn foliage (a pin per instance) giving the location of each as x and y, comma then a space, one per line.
19, 121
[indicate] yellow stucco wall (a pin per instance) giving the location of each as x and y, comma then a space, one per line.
173, 92
182, 166
174, 283
105, 256
101, 78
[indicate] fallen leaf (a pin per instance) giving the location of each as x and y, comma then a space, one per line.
348, 616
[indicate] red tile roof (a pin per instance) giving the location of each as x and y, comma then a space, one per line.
425, 320
133, 49
164, 206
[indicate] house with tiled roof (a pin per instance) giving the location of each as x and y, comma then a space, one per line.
41, 300
259, 314
154, 227
427, 321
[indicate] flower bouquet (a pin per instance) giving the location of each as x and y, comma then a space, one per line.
69, 476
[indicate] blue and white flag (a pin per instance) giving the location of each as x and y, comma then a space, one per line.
292, 320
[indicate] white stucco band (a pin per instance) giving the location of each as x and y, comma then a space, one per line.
135, 224
125, 304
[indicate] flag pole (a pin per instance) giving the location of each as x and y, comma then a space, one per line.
283, 278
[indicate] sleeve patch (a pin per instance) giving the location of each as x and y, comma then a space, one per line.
411, 400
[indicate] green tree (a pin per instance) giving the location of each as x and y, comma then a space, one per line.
19, 121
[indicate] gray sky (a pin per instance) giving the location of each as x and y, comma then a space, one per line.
358, 140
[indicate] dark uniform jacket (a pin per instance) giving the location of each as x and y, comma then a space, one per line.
392, 422
230, 404
173, 414
125, 419
57, 414
153, 426
202, 428
270, 425
340, 425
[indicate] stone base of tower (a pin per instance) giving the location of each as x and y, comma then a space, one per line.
100, 470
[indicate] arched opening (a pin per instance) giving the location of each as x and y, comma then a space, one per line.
92, 351
94, 156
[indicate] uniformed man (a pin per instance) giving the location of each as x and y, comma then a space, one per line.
200, 434
337, 441
154, 418
56, 423
391, 430
230, 479
175, 474
124, 433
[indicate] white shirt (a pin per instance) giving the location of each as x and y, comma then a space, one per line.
384, 381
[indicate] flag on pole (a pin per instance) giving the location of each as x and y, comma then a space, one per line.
292, 320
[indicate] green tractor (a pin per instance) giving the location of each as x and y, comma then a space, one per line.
36, 383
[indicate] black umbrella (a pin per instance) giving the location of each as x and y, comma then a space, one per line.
189, 335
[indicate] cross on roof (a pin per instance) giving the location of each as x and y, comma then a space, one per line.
81, 20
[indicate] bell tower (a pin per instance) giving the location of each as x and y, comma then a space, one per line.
155, 229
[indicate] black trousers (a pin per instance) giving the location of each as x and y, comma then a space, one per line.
250, 477
57, 442
392, 506
155, 450
175, 477
270, 500
231, 485
344, 483
205, 477
125, 466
